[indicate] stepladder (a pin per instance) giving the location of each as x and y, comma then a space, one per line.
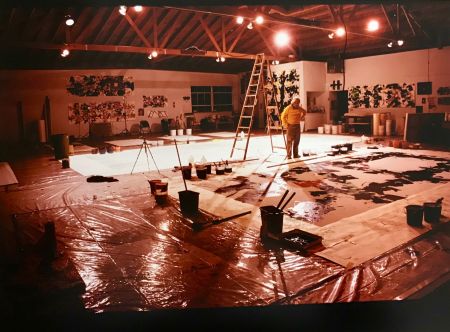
245, 123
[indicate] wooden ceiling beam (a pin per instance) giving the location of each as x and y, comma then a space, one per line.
387, 18
155, 27
100, 19
238, 37
171, 30
224, 41
409, 22
123, 49
137, 30
210, 35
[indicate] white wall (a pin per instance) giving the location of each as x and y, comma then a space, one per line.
406, 67
32, 86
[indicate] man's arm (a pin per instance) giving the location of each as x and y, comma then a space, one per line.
284, 117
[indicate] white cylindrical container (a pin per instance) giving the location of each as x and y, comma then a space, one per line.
320, 130
388, 127
339, 129
376, 123
42, 133
180, 132
381, 130
173, 132
160, 142
188, 131
327, 129
334, 129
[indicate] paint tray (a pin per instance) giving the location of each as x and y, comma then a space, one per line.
300, 240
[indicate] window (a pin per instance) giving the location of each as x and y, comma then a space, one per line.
211, 98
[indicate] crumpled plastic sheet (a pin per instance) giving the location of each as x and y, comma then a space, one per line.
134, 255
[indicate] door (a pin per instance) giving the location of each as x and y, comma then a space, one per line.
338, 105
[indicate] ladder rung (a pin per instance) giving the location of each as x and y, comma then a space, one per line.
251, 95
280, 147
248, 105
243, 127
246, 116
236, 148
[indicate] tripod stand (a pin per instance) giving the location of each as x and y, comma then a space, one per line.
147, 150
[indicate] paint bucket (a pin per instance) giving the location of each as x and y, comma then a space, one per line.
375, 123
180, 132
160, 142
432, 212
414, 214
349, 146
208, 168
320, 130
61, 146
228, 169
381, 130
404, 144
327, 129
396, 143
390, 143
65, 163
188, 131
161, 189
110, 148
153, 185
388, 127
201, 172
187, 172
173, 132
339, 130
272, 221
188, 201
102, 149
334, 129
71, 149
220, 170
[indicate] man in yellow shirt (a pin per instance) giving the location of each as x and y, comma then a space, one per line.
291, 117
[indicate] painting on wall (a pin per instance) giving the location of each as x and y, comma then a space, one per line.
382, 96
93, 86
154, 101
285, 85
100, 112
444, 91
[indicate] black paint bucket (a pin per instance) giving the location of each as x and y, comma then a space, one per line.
220, 170
201, 173
65, 163
161, 190
187, 172
153, 185
208, 168
189, 201
228, 169
272, 221
61, 146
414, 215
432, 212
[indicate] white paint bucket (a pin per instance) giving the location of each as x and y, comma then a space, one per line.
180, 132
334, 129
173, 132
189, 131
376, 123
388, 127
160, 142
327, 129
320, 130
381, 130
339, 129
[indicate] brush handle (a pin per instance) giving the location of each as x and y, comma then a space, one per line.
231, 217
282, 198
289, 199
179, 160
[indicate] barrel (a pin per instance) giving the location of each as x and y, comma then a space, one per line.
61, 146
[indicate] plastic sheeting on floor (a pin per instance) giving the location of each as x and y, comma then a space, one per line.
135, 255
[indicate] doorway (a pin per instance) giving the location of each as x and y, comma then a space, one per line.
338, 105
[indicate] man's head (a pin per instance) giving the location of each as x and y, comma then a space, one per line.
295, 102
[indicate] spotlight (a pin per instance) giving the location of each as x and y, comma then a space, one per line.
373, 25
69, 20
123, 10
331, 35
389, 44
250, 26
154, 53
400, 42
259, 19
65, 52
150, 57
275, 62
340, 32
239, 20
217, 60
222, 59
281, 39
137, 8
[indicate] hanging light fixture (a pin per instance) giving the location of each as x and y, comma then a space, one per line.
373, 25
239, 20
400, 42
389, 44
250, 26
149, 57
259, 19
222, 59
65, 52
137, 8
123, 10
275, 62
331, 35
217, 60
281, 38
69, 20
154, 53
340, 32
